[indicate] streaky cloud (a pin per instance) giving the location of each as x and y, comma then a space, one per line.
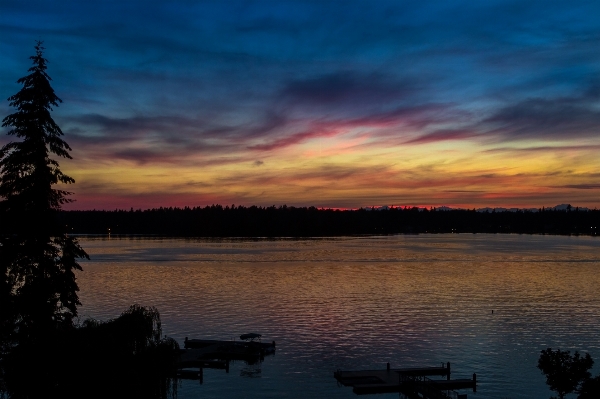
349, 88
295, 138
554, 148
581, 186
444, 135
562, 118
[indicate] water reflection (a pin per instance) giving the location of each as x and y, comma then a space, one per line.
360, 302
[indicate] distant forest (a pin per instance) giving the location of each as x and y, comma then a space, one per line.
284, 221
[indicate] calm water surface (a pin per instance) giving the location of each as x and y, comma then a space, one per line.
357, 303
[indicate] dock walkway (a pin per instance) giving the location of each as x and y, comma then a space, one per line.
216, 354
407, 380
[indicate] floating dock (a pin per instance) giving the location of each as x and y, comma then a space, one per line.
249, 351
264, 347
192, 358
413, 382
216, 354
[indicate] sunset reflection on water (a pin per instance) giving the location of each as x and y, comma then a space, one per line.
353, 303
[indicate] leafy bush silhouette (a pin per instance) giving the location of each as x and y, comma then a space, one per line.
565, 373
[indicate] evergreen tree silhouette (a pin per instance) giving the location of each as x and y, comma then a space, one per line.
37, 257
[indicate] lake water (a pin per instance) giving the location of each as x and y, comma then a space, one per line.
357, 303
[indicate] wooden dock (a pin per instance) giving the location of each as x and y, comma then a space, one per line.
196, 358
413, 382
251, 352
204, 353
256, 346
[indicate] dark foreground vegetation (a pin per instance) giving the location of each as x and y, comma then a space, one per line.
566, 373
219, 221
122, 358
44, 353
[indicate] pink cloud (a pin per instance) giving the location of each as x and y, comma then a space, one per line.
443, 135
294, 139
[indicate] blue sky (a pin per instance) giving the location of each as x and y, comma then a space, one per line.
336, 104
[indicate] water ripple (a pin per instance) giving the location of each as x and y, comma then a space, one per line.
354, 303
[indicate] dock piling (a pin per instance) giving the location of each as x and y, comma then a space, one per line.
474, 382
388, 366
448, 365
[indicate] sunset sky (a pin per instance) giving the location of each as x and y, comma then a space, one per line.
340, 104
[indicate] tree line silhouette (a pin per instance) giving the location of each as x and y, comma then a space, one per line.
289, 221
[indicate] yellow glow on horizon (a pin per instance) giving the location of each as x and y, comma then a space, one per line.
355, 172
